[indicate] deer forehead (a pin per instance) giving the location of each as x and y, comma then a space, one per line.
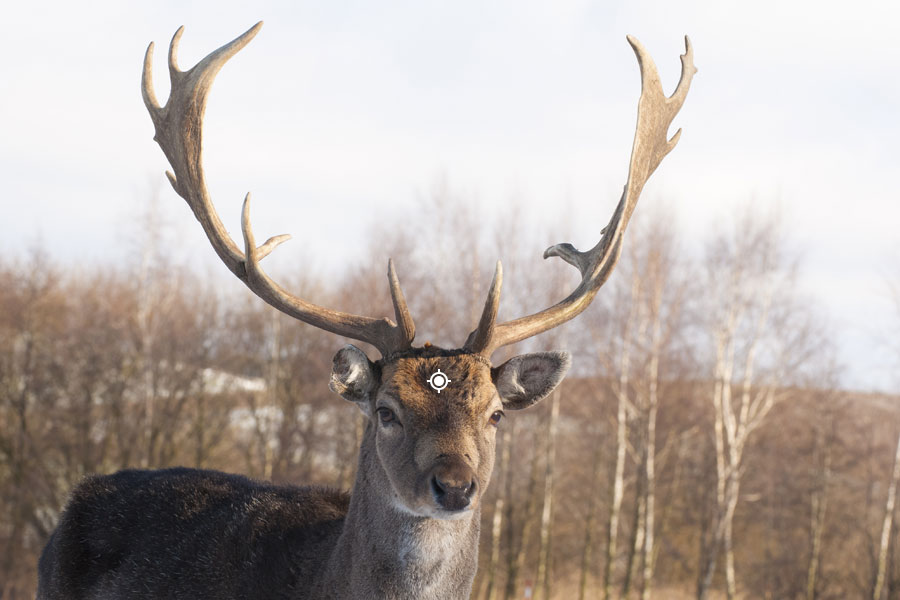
469, 393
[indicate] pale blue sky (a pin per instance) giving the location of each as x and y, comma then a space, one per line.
340, 110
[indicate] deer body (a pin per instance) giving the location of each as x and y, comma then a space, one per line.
188, 533
410, 527
207, 534
406, 531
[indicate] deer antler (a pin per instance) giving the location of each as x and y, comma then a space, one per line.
179, 127
651, 145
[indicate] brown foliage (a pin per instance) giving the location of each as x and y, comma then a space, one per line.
107, 368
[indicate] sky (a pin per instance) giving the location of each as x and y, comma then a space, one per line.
340, 111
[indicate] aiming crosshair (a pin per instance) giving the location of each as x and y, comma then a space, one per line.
438, 381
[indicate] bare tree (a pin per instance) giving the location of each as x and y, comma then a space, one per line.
497, 518
32, 305
542, 584
518, 544
624, 406
644, 323
824, 422
759, 336
587, 554
877, 592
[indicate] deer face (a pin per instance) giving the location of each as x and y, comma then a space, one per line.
435, 449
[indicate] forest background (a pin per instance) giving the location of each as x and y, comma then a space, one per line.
701, 446
730, 425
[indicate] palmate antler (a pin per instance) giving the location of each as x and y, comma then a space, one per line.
651, 145
178, 127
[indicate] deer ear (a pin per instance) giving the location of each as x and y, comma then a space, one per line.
353, 376
526, 379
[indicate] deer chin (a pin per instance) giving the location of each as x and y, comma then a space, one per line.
430, 508
432, 511
453, 515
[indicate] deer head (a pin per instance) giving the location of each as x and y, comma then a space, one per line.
430, 447
435, 447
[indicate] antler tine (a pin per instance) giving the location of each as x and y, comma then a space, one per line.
651, 145
407, 329
351, 326
179, 126
655, 115
478, 340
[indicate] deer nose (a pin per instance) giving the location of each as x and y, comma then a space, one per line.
453, 484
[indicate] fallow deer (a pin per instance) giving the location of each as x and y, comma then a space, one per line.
410, 526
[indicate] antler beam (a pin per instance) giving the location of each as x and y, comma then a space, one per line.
651, 145
179, 128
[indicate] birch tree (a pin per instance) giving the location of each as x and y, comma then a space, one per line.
647, 309
518, 544
542, 585
822, 454
587, 552
623, 408
886, 526
497, 519
759, 335
664, 307
884, 547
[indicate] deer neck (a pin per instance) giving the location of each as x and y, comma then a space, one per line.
387, 552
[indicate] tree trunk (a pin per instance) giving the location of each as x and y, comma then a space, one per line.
730, 586
673, 491
819, 505
886, 527
588, 551
637, 534
542, 585
649, 503
517, 557
496, 528
618, 487
650, 441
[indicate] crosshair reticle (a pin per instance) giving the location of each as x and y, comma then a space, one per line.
438, 381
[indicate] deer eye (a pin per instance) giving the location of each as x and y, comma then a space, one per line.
495, 418
386, 415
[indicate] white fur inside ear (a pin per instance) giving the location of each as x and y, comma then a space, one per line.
526, 379
352, 375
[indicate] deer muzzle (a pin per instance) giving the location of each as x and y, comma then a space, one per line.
453, 484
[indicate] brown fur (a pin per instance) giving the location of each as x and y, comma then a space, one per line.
407, 378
